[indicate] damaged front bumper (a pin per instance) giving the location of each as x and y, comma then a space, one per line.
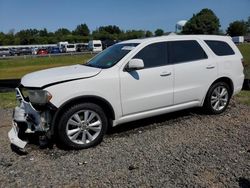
27, 120
13, 136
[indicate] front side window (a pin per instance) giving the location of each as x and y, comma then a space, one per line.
220, 48
185, 51
153, 55
112, 55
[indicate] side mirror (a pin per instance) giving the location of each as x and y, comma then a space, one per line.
135, 64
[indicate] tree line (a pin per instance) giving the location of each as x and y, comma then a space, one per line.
80, 34
204, 22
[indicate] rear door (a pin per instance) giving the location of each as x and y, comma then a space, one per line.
194, 71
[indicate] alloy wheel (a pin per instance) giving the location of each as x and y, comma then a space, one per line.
84, 127
219, 98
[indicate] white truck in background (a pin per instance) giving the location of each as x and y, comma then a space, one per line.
61, 45
95, 46
238, 39
69, 48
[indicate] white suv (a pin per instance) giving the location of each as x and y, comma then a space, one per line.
131, 80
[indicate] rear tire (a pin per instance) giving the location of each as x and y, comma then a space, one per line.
82, 126
217, 98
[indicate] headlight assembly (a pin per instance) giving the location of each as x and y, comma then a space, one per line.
39, 96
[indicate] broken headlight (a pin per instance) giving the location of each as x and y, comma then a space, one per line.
40, 97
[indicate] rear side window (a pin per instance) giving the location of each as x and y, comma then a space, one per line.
153, 55
185, 51
220, 48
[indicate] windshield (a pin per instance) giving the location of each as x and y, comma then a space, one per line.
111, 55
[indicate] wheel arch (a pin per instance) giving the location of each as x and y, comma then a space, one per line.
103, 103
225, 79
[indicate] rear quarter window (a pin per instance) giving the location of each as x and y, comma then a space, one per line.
220, 48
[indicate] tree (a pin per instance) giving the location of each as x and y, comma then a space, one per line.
159, 32
237, 28
205, 22
133, 34
148, 34
62, 31
82, 30
110, 32
43, 33
111, 29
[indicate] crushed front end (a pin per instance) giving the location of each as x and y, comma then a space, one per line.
33, 114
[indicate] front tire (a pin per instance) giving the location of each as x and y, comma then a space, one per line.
82, 126
217, 98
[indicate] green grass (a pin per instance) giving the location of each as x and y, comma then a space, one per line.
243, 97
7, 100
245, 50
16, 68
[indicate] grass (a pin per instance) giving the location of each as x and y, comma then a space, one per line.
244, 97
7, 100
16, 68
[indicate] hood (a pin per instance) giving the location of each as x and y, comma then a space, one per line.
57, 75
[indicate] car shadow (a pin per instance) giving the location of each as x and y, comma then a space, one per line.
159, 120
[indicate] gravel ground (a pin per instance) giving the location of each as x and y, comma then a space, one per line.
180, 149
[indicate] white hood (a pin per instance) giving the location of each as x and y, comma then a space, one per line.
57, 75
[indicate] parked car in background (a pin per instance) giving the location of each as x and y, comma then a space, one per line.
4, 52
95, 46
131, 80
54, 50
14, 51
42, 51
69, 48
34, 50
81, 47
24, 51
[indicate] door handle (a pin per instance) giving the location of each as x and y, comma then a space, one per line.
210, 67
165, 74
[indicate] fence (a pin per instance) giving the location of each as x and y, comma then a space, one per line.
47, 55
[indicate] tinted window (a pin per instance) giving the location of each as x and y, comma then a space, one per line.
153, 55
183, 51
220, 48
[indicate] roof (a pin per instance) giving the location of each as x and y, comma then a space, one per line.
171, 37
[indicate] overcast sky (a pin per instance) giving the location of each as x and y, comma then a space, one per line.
127, 14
